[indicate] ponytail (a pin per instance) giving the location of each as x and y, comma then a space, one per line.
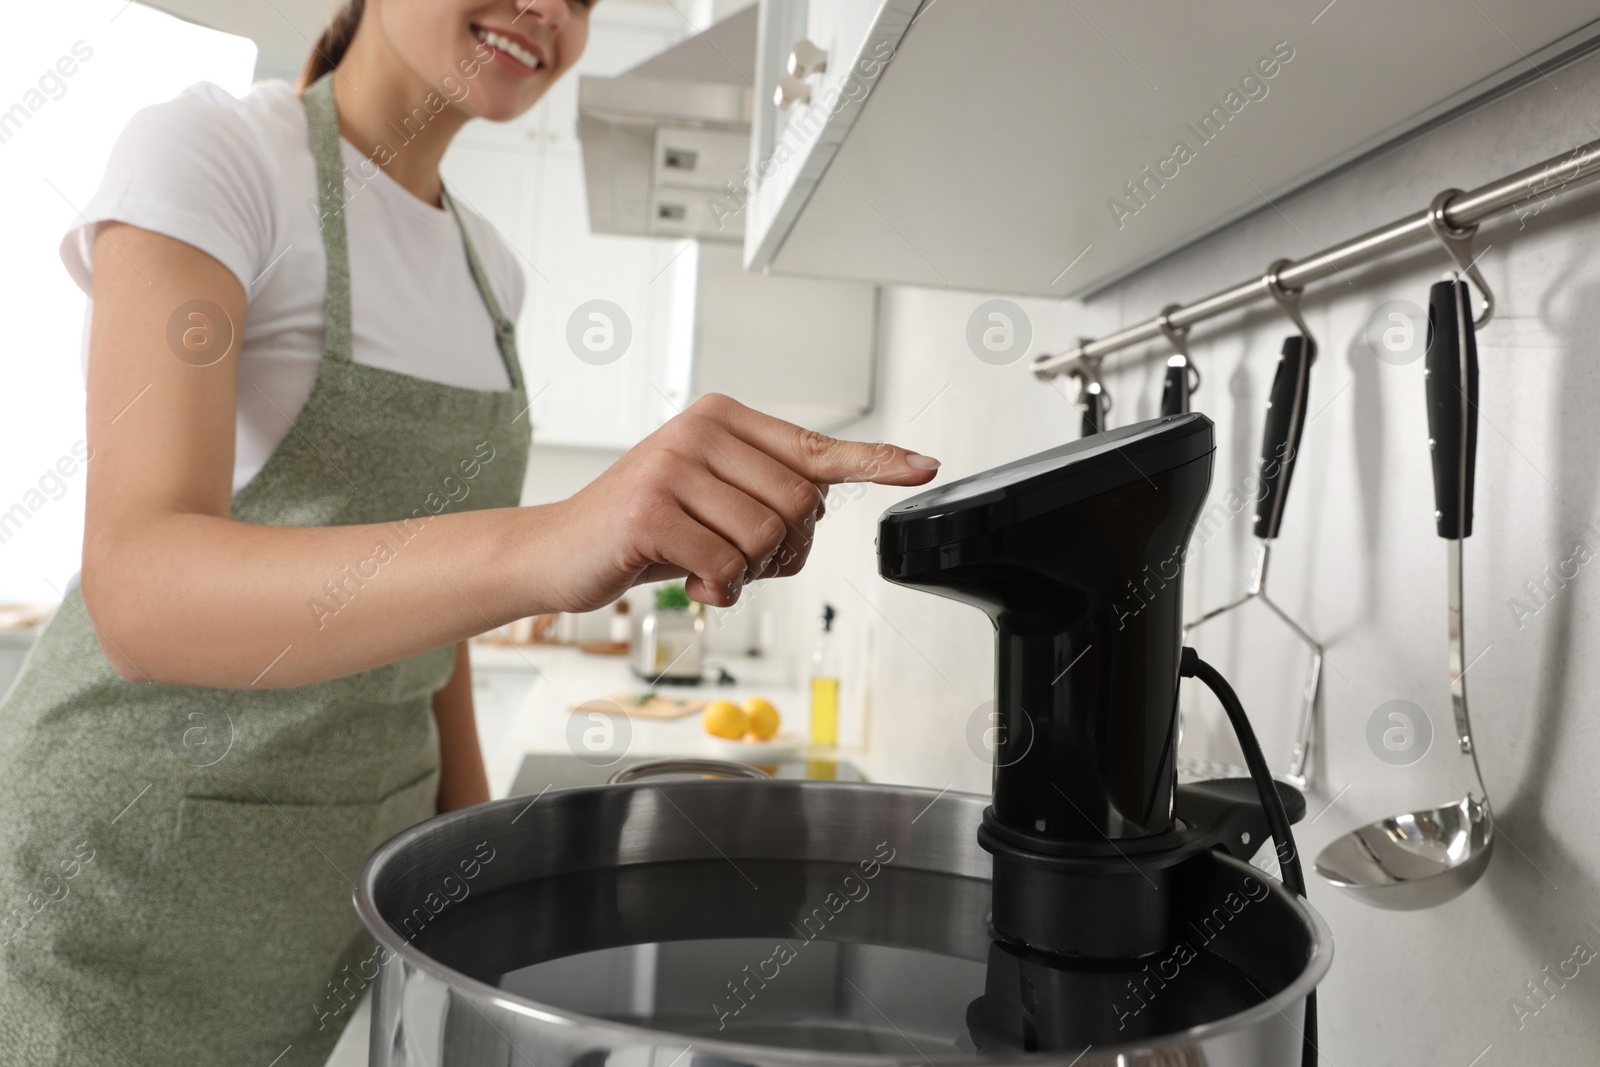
331, 47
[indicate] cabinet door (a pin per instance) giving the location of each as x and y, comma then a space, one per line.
839, 28
792, 146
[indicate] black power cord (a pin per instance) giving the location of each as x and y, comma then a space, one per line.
1192, 666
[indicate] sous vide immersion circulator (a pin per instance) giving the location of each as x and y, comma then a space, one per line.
1076, 555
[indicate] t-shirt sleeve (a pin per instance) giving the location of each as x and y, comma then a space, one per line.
192, 169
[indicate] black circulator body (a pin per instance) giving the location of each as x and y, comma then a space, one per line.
1077, 556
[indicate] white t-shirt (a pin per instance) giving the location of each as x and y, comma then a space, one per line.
235, 179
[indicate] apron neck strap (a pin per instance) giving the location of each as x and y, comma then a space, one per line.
323, 119
504, 328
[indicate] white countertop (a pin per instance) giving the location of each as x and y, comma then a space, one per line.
561, 677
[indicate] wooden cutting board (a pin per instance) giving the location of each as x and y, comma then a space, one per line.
647, 705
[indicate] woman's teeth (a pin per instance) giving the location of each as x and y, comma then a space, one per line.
510, 48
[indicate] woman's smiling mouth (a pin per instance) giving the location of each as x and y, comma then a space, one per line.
522, 53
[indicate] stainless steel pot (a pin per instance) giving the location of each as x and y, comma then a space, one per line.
428, 1014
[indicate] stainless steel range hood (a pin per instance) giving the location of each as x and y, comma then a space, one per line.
661, 140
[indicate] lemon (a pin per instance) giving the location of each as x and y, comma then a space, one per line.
724, 718
764, 718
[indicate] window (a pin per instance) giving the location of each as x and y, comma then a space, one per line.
71, 75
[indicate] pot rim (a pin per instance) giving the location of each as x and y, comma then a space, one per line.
1316, 966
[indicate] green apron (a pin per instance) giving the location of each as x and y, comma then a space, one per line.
176, 862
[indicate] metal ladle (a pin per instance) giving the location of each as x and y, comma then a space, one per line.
1423, 858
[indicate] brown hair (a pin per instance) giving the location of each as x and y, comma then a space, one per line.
330, 48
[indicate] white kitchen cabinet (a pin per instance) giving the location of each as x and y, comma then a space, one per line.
499, 695
793, 142
1047, 148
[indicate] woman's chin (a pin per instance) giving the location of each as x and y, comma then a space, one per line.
499, 105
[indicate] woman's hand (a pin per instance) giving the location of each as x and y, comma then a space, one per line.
721, 494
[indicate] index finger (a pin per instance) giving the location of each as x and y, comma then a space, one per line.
816, 456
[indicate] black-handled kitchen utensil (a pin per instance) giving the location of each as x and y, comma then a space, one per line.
1280, 449
1280, 437
1452, 390
1096, 403
1093, 399
1452, 386
1182, 378
1175, 389
1418, 859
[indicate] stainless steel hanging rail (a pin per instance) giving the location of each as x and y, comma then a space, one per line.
1464, 210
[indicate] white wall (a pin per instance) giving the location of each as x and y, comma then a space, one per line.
1358, 563
71, 76
556, 472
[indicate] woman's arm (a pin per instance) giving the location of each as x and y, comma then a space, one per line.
179, 592
462, 779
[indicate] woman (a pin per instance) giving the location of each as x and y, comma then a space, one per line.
308, 435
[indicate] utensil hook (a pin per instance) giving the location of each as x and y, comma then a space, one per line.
1457, 241
1287, 299
1087, 373
1178, 337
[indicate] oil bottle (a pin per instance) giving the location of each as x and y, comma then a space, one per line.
825, 687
